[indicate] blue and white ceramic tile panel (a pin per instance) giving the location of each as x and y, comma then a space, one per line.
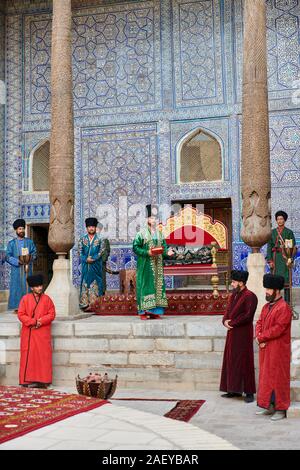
283, 47
146, 75
2, 134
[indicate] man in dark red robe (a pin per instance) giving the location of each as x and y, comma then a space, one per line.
36, 313
273, 335
238, 375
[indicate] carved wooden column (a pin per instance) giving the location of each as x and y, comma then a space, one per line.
61, 231
255, 172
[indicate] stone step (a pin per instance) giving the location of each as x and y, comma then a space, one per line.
295, 328
3, 307
295, 372
294, 410
4, 294
2, 370
174, 353
295, 390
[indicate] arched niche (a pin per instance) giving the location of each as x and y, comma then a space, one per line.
199, 158
39, 167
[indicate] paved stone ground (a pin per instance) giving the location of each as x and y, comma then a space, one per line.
230, 419
219, 424
112, 427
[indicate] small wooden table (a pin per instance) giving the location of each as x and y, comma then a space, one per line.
128, 276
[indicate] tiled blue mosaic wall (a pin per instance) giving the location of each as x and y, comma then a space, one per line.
147, 73
2, 136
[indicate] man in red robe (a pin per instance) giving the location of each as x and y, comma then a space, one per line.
273, 335
36, 313
238, 375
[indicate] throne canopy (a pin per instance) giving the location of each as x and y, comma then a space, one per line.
194, 229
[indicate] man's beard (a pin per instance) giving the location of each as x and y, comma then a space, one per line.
271, 298
237, 290
21, 234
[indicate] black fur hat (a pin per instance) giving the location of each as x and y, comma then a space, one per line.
35, 280
240, 276
272, 281
19, 223
281, 214
91, 222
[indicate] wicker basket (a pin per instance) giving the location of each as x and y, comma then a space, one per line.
104, 390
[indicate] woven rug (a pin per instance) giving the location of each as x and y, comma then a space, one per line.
23, 410
184, 410
179, 303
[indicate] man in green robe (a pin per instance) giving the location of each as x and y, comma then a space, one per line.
150, 283
279, 258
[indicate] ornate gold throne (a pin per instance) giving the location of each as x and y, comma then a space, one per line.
201, 246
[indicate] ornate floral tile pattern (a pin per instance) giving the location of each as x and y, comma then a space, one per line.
116, 59
146, 75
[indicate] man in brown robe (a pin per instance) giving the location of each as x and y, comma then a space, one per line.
238, 375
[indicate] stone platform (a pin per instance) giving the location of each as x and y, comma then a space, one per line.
175, 353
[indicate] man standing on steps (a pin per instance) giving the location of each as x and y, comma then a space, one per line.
150, 248
280, 264
20, 254
273, 335
36, 313
90, 253
238, 374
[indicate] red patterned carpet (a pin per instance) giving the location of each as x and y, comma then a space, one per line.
23, 410
184, 410
180, 303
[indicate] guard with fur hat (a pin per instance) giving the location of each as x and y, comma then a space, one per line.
279, 258
36, 313
20, 254
238, 375
91, 250
273, 335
